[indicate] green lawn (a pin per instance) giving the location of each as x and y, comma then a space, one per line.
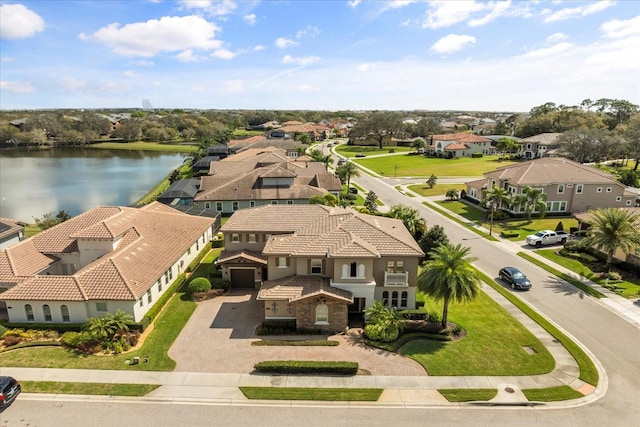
494, 344
162, 186
146, 146
468, 394
552, 394
437, 190
425, 166
303, 393
467, 224
53, 387
345, 150
624, 288
31, 230
521, 227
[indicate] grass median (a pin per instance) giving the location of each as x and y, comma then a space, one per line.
56, 387
303, 393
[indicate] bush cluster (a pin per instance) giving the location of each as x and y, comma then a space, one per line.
307, 367
16, 336
199, 284
276, 327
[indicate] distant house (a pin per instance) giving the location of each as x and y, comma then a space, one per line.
570, 187
180, 193
256, 177
262, 142
11, 232
317, 264
460, 144
203, 165
104, 260
221, 151
537, 146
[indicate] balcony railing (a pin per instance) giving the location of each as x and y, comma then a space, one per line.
396, 279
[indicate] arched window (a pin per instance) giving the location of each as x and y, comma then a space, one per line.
394, 299
403, 299
385, 298
322, 314
46, 310
64, 311
28, 310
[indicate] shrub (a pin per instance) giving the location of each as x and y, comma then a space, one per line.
612, 276
199, 284
213, 271
509, 234
350, 196
276, 327
219, 283
414, 314
560, 227
84, 342
392, 150
382, 332
307, 367
10, 340
574, 246
476, 155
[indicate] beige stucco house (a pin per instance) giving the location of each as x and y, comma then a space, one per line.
570, 187
104, 260
536, 146
460, 144
317, 264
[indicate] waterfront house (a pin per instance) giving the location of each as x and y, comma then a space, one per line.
11, 232
317, 264
107, 259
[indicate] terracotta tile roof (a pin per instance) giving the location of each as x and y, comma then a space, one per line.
307, 230
543, 138
588, 216
149, 241
296, 288
551, 170
462, 137
226, 256
456, 146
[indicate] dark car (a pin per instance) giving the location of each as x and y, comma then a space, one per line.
9, 390
353, 190
514, 277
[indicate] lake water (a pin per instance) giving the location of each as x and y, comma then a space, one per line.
35, 182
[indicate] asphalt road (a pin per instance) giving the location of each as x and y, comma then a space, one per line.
613, 341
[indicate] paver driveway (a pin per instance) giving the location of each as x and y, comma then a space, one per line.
218, 339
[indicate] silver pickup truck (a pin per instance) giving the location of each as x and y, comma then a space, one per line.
547, 237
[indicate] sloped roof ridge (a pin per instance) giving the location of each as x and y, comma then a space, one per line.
366, 218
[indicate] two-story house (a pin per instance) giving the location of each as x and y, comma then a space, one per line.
11, 232
317, 264
537, 146
461, 144
107, 259
570, 187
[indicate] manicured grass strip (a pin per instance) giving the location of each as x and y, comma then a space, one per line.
437, 190
162, 186
296, 343
552, 394
462, 223
31, 230
301, 393
588, 371
146, 146
403, 339
54, 387
468, 394
575, 282
416, 166
310, 367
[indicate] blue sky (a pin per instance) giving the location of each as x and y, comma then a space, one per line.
317, 55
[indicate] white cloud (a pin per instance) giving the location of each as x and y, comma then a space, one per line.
143, 63
446, 13
259, 47
250, 19
617, 28
17, 87
210, 7
188, 56
223, 54
354, 3
71, 84
556, 37
7, 59
547, 51
311, 31
283, 42
306, 88
233, 86
167, 34
301, 60
17, 22
131, 73
579, 11
497, 9
452, 43
364, 67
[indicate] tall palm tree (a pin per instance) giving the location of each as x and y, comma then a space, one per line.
495, 198
318, 156
533, 199
411, 218
449, 277
613, 229
347, 171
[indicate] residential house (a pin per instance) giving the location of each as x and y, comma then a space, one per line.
180, 193
460, 144
11, 232
536, 146
570, 187
256, 177
317, 264
262, 142
633, 257
203, 165
107, 259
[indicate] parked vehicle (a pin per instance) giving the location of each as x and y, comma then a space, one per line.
514, 278
9, 390
547, 237
341, 161
353, 190
360, 155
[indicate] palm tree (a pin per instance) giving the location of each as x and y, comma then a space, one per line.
449, 276
100, 327
347, 171
533, 199
318, 156
120, 321
613, 229
495, 198
411, 218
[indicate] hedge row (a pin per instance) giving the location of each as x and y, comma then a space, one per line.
59, 327
307, 367
162, 301
205, 250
